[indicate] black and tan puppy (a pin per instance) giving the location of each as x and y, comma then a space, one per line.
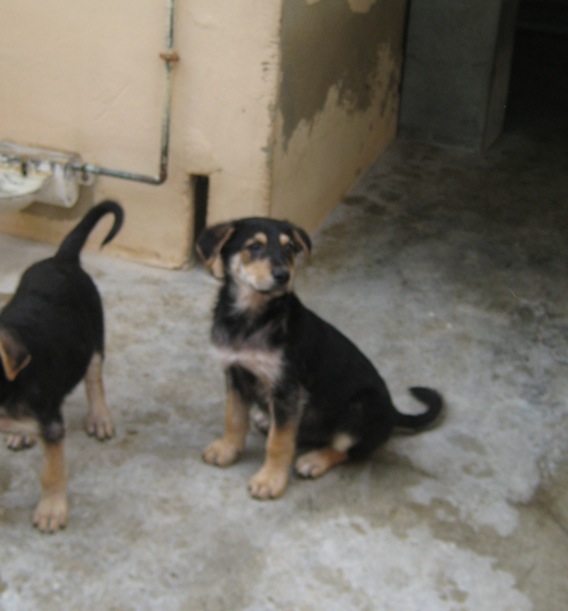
317, 388
51, 337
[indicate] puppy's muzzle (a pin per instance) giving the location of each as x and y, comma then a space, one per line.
281, 276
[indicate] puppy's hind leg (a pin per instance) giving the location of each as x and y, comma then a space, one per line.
317, 462
99, 422
51, 513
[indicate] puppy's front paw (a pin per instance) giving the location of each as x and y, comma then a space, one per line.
51, 513
99, 426
221, 453
19, 442
268, 483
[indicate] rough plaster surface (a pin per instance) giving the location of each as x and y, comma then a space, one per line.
338, 100
314, 166
322, 47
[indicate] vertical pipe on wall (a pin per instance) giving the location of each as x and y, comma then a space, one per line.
170, 58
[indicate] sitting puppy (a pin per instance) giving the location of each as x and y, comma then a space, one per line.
51, 337
317, 388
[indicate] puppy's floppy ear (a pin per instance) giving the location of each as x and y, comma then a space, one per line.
211, 241
13, 354
303, 239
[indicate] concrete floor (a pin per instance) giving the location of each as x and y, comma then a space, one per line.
448, 268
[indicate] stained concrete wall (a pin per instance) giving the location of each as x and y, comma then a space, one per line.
456, 71
338, 99
281, 104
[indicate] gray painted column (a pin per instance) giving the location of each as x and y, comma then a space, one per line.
456, 71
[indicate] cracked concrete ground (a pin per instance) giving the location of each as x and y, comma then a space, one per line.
447, 268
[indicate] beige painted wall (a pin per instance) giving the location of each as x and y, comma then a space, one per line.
86, 77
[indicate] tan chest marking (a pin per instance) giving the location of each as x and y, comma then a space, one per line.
264, 364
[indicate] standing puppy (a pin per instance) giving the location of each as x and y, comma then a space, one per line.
316, 387
51, 337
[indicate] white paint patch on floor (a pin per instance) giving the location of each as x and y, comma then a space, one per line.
346, 564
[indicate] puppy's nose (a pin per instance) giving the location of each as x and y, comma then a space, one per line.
281, 275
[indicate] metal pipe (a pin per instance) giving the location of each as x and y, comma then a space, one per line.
170, 57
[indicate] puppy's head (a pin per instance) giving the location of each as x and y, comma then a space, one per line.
256, 253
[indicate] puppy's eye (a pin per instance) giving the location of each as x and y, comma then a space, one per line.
255, 247
289, 248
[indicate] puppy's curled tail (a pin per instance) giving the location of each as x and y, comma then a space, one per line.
417, 422
74, 241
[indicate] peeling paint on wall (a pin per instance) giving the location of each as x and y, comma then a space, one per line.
332, 44
357, 6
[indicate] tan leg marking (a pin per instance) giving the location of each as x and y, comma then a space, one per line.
316, 463
51, 512
272, 479
99, 422
226, 450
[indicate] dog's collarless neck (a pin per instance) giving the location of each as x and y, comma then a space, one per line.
231, 321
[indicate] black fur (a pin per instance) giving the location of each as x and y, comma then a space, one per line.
324, 381
51, 337
56, 316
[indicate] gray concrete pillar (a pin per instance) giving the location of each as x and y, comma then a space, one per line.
456, 71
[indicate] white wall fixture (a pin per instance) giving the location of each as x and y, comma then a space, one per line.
36, 175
